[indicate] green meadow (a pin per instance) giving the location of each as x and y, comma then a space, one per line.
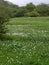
27, 42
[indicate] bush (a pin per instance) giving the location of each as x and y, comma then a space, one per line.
32, 14
4, 17
43, 9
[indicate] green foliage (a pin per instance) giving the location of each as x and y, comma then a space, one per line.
32, 14
35, 14
43, 9
30, 7
28, 10
4, 16
12, 10
20, 12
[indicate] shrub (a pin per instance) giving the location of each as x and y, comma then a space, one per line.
4, 17
32, 14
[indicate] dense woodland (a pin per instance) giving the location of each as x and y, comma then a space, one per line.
10, 10
30, 10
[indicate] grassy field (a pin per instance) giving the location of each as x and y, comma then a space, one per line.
28, 44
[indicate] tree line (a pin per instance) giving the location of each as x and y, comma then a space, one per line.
30, 10
9, 10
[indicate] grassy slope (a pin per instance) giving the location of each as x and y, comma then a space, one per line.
30, 44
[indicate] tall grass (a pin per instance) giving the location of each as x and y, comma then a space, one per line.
26, 42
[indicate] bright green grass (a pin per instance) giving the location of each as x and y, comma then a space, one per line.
29, 44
